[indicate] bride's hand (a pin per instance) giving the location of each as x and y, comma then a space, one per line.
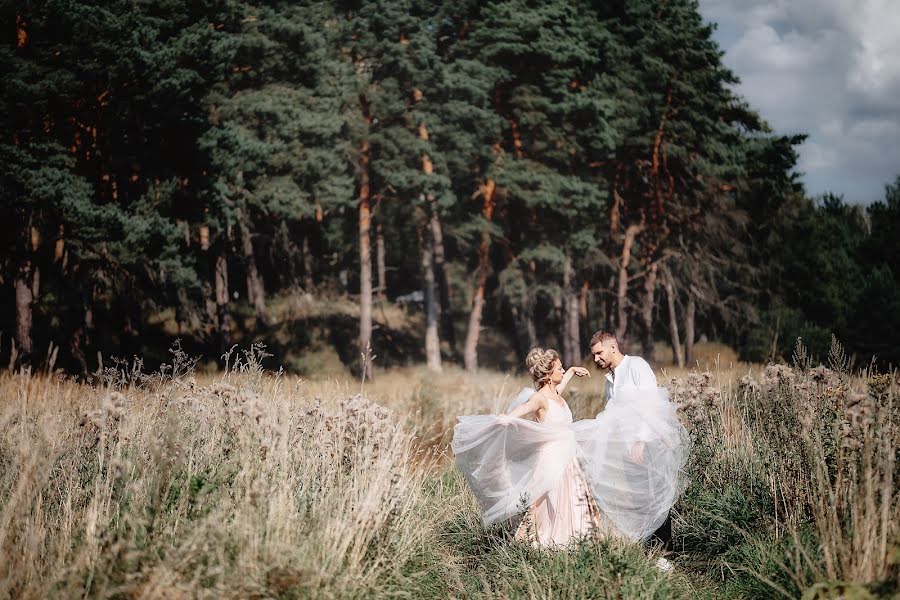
637, 453
580, 371
504, 419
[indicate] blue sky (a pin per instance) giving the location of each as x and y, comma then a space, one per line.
827, 68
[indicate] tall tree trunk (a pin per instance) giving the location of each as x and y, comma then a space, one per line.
583, 299
307, 265
437, 237
36, 283
21, 32
365, 263
622, 289
689, 329
379, 259
608, 305
517, 319
81, 338
674, 335
647, 310
432, 309
59, 248
89, 316
255, 291
571, 334
470, 350
530, 325
655, 182
186, 318
223, 316
76, 350
614, 320
24, 283
440, 273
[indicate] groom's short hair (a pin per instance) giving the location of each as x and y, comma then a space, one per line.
603, 336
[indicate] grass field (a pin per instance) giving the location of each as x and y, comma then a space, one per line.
250, 484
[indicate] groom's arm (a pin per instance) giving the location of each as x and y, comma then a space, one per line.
643, 378
642, 375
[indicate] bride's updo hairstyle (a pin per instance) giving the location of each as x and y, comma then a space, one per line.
539, 363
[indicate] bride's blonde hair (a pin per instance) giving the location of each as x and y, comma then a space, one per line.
539, 363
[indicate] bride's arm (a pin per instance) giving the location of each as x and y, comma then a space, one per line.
531, 405
571, 372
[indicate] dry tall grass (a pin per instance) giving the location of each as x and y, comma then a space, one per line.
254, 484
162, 488
822, 442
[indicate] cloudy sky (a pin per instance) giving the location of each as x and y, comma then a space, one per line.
827, 68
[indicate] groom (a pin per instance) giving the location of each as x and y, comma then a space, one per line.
628, 372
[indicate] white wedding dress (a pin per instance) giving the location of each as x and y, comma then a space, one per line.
575, 476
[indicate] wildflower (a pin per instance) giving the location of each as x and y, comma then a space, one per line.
824, 375
879, 384
256, 491
748, 385
859, 409
777, 374
228, 393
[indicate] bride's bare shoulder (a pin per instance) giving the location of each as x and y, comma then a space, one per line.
540, 399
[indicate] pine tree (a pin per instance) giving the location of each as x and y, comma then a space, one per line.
99, 167
393, 52
563, 166
676, 161
468, 133
276, 147
553, 114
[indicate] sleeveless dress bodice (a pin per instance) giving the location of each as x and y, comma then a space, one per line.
557, 413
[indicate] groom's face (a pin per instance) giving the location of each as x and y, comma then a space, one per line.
603, 354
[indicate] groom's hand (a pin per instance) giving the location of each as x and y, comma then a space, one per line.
637, 453
580, 372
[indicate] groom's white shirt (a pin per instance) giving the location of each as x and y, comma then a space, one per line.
632, 373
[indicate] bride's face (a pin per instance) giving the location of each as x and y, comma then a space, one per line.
556, 375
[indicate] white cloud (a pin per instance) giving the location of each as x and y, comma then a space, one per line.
818, 157
827, 68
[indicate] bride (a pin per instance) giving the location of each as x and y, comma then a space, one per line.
573, 478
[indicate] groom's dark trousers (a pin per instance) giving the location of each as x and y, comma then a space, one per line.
663, 535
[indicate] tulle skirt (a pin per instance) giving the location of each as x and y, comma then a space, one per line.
565, 512
515, 467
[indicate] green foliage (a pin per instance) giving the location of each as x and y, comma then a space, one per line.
496, 565
136, 133
845, 285
762, 566
713, 521
792, 480
100, 157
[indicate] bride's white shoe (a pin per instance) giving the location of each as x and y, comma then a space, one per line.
664, 564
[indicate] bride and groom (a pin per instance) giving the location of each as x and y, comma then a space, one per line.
617, 474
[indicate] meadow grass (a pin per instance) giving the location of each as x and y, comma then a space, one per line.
256, 484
